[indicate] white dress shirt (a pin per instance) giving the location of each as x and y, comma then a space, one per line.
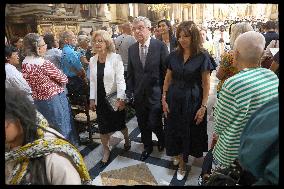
147, 44
14, 78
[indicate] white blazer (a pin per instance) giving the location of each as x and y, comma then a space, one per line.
113, 76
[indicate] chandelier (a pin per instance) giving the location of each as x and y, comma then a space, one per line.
158, 7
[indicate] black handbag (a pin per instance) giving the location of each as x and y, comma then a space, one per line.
230, 176
111, 101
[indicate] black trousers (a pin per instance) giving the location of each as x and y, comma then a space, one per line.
149, 118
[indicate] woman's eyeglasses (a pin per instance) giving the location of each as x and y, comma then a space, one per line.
98, 42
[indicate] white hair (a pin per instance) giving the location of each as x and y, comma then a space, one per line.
146, 21
250, 45
82, 38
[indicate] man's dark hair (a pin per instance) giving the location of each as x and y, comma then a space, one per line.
49, 40
270, 25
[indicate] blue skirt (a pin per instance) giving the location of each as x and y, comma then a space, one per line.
57, 111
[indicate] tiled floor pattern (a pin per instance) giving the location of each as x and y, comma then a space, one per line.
125, 168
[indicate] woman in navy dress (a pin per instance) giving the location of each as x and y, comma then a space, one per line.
185, 94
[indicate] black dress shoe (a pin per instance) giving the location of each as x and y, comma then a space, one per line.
144, 155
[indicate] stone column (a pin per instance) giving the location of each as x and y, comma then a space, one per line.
194, 13
185, 13
190, 12
100, 14
142, 10
122, 12
101, 10
136, 10
93, 10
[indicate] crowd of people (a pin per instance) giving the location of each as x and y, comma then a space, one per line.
164, 72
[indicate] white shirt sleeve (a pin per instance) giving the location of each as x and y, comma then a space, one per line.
14, 78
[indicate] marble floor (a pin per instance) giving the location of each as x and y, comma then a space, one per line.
125, 168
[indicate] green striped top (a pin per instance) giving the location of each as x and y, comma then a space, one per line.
240, 96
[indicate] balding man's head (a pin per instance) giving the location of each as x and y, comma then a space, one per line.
249, 47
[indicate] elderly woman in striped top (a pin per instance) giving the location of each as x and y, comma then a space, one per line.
47, 84
241, 95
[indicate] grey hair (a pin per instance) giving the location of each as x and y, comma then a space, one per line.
30, 44
82, 38
65, 34
146, 21
250, 46
106, 37
238, 29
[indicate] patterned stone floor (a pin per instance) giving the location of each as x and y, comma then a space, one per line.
125, 168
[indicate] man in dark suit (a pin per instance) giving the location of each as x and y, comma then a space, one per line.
146, 70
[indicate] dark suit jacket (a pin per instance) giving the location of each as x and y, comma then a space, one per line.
147, 82
269, 36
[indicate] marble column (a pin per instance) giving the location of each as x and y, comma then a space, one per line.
194, 13
185, 13
93, 10
136, 10
122, 12
190, 12
101, 11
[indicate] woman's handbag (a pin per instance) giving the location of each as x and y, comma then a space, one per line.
111, 101
233, 175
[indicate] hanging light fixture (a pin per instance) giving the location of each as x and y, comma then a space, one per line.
158, 7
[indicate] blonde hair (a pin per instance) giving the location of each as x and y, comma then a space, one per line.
107, 39
238, 29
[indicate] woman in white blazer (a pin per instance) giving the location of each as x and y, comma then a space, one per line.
107, 77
